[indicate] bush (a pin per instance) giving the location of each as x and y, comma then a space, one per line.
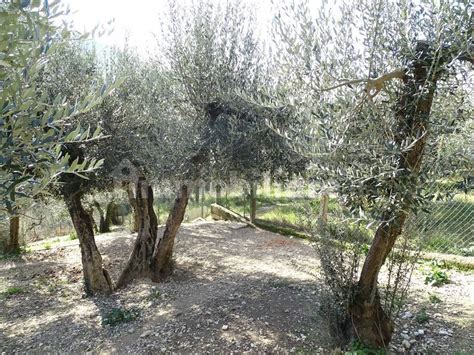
155, 294
422, 317
436, 275
120, 315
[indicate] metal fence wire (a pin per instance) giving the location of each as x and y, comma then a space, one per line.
448, 226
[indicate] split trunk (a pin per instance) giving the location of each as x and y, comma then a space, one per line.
162, 260
139, 262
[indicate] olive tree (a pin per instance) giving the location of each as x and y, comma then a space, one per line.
368, 84
74, 70
33, 126
209, 59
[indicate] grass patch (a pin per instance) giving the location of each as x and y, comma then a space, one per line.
120, 315
12, 291
287, 214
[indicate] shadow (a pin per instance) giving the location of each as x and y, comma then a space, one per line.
233, 290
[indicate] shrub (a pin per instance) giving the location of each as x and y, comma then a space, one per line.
155, 293
436, 275
120, 315
422, 317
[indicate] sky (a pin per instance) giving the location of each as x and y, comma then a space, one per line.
137, 19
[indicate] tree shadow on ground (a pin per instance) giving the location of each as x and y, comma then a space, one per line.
233, 290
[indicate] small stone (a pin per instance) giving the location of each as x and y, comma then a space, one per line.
420, 332
407, 315
145, 334
444, 332
405, 336
131, 330
225, 327
406, 344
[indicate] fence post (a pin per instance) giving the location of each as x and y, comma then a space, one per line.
323, 211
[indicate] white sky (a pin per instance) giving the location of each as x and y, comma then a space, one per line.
136, 19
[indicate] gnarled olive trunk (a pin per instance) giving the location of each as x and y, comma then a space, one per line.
111, 215
103, 227
369, 322
13, 242
96, 278
90, 212
139, 261
161, 264
133, 202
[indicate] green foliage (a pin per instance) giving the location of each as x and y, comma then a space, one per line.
73, 235
436, 275
358, 348
32, 124
47, 246
422, 316
155, 293
120, 315
12, 291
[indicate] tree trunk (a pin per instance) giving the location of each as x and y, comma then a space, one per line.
197, 193
96, 278
162, 263
369, 321
13, 243
133, 202
103, 227
253, 201
90, 212
218, 193
111, 215
139, 261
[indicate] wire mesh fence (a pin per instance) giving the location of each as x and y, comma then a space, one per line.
448, 226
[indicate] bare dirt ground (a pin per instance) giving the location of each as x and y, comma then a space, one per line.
234, 290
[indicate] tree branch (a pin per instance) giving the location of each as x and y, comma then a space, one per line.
372, 84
